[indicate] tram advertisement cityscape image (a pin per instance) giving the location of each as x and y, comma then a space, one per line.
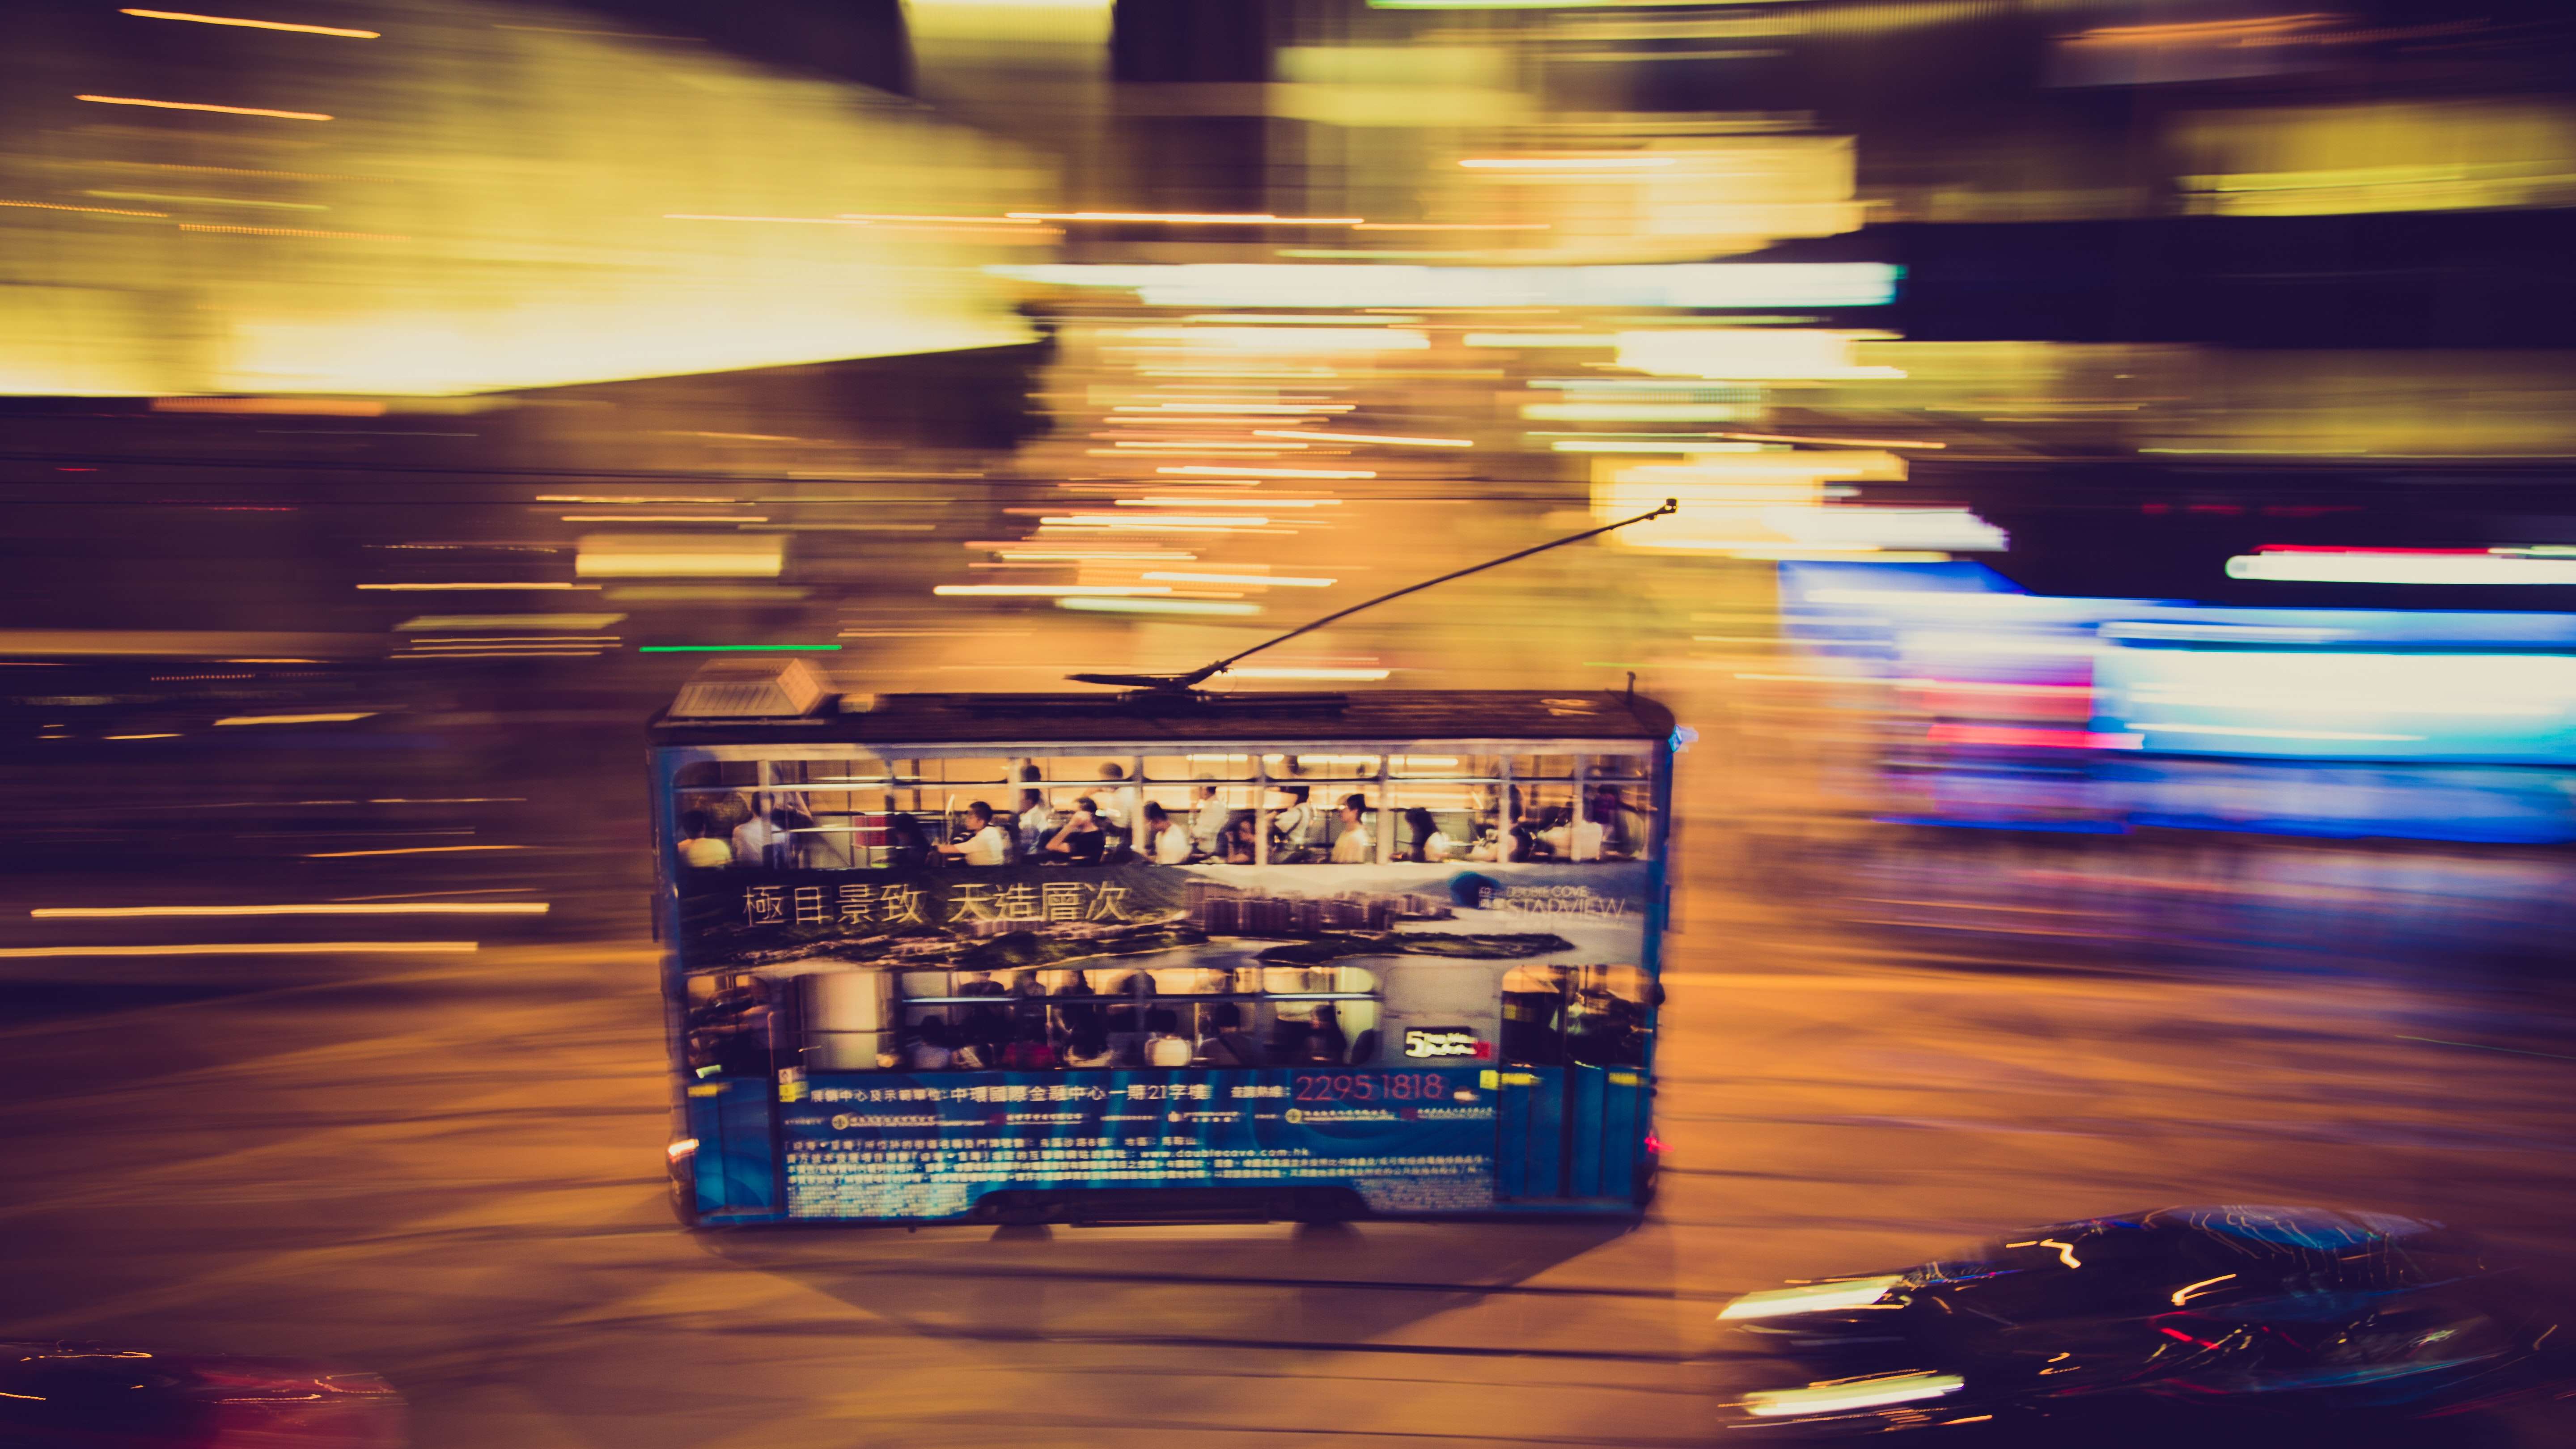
1397, 1031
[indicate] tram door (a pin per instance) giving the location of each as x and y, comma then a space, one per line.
731, 1097
1571, 1102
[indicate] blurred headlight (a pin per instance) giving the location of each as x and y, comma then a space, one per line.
1852, 1394
1811, 1298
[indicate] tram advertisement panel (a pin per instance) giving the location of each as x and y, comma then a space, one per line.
886, 1145
1005, 917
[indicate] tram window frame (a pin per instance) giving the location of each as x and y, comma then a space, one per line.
1355, 994
1526, 1041
1246, 780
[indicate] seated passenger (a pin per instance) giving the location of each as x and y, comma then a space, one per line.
1089, 1049
930, 1051
985, 844
1235, 848
1430, 843
1226, 1045
1081, 841
1353, 846
698, 847
1028, 1051
1164, 1045
1162, 841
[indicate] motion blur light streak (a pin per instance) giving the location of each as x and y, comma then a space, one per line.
1845, 1397
1269, 580
1156, 606
415, 908
255, 24
200, 106
1247, 671
1364, 438
409, 850
1809, 1298
285, 719
432, 588
1046, 590
259, 948
2400, 567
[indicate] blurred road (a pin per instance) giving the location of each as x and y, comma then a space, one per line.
448, 1170
444, 1162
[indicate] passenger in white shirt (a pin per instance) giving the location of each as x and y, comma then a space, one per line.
1117, 806
986, 843
761, 840
1037, 822
1288, 827
1162, 842
1164, 1047
1430, 842
1353, 846
1208, 819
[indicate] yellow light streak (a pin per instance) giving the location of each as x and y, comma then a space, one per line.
1284, 581
1151, 521
409, 908
255, 24
501, 654
1291, 673
434, 588
1227, 407
1567, 163
199, 106
1187, 218
621, 498
801, 220
139, 737
292, 231
260, 719
666, 518
92, 210
409, 850
259, 948
1454, 226
1211, 470
2182, 1295
1834, 442
1012, 221
1366, 438
1255, 500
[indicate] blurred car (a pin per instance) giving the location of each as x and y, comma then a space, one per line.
62, 1395
2214, 1312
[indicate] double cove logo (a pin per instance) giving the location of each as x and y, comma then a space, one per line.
1441, 1042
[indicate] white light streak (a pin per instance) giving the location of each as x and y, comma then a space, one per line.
1366, 438
1287, 672
1808, 1298
1567, 163
2401, 568
1857, 1394
1156, 606
1032, 591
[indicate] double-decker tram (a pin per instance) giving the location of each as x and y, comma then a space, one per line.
1090, 957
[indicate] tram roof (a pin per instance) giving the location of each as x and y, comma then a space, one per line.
1109, 718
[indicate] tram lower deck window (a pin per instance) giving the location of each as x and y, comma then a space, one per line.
1088, 1017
